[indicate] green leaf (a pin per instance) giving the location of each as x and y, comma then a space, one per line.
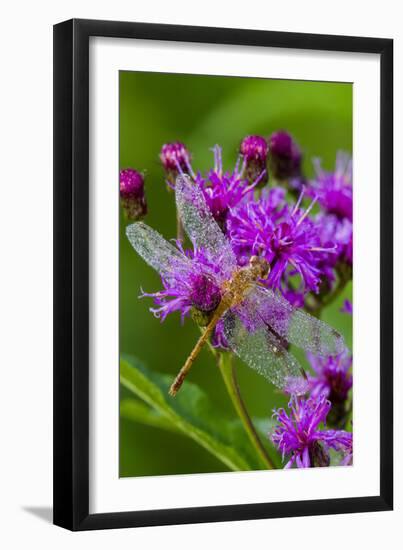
190, 413
138, 411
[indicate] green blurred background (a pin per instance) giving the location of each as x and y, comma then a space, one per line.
202, 111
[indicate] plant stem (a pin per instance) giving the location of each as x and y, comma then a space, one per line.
228, 372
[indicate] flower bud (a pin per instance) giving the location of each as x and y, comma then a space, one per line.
205, 294
132, 196
284, 156
254, 150
175, 158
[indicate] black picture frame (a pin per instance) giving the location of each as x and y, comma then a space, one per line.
71, 274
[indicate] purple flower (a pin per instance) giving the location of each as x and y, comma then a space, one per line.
224, 190
334, 189
195, 284
132, 198
254, 150
333, 380
299, 438
284, 236
334, 193
339, 232
284, 156
252, 222
175, 158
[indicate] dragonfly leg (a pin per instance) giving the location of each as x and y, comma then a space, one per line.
222, 307
177, 383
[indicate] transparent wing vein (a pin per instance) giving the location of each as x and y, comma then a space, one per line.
200, 225
294, 325
262, 351
154, 249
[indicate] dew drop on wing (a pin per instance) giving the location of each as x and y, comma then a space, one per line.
154, 249
200, 226
262, 351
295, 325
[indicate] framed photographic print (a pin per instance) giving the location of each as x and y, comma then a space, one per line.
223, 320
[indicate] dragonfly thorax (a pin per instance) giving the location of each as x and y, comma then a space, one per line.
244, 279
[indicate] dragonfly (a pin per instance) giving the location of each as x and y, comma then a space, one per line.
259, 324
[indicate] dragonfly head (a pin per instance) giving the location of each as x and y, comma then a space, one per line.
260, 267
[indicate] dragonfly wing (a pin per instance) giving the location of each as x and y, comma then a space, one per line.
200, 225
261, 350
154, 249
294, 325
